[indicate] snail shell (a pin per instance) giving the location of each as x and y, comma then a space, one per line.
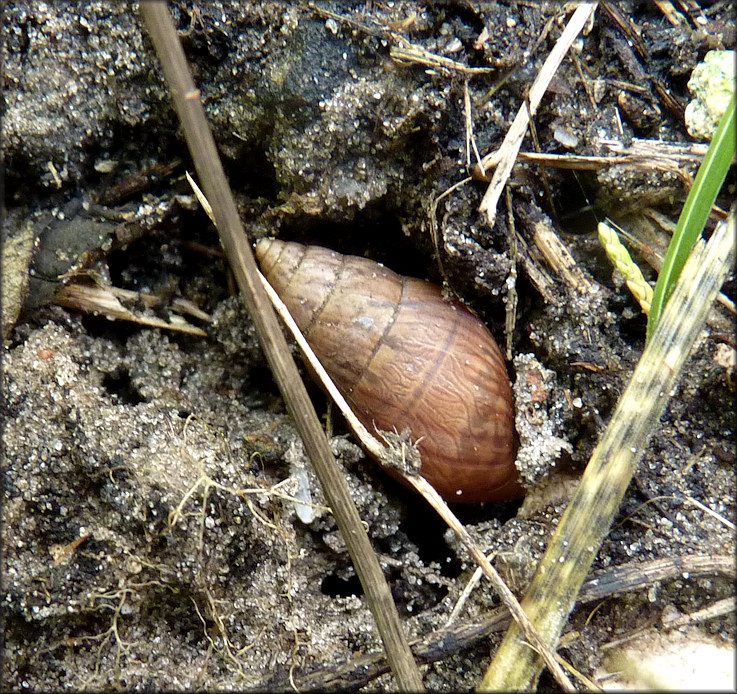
404, 356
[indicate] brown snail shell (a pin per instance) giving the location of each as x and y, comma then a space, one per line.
404, 356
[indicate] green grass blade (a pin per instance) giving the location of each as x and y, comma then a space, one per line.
709, 180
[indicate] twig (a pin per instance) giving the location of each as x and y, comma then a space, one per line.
432, 215
408, 54
712, 611
94, 298
516, 133
727, 523
649, 154
557, 255
512, 299
468, 118
209, 168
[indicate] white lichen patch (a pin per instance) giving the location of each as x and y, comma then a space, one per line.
712, 84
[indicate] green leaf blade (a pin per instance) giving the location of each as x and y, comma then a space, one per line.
709, 180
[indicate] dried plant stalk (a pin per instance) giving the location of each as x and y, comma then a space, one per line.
589, 516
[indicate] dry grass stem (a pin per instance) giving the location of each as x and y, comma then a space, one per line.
210, 171
559, 258
97, 299
409, 54
589, 516
516, 133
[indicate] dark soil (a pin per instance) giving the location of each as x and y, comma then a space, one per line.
132, 557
